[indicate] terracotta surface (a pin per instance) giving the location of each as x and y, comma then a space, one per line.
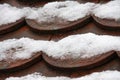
10, 66
107, 24
25, 32
20, 4
46, 69
79, 63
91, 27
12, 26
57, 27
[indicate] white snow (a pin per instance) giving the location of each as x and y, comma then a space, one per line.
24, 48
74, 46
104, 75
10, 14
83, 46
62, 10
110, 10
